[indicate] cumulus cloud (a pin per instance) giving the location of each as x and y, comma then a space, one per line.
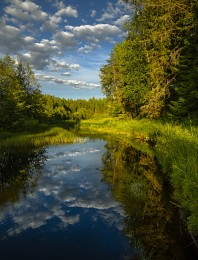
29, 39
56, 65
89, 48
53, 21
11, 39
25, 10
39, 54
122, 20
65, 40
38, 37
67, 11
95, 33
77, 84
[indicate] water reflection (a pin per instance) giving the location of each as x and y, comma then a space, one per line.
19, 172
67, 212
151, 222
92, 200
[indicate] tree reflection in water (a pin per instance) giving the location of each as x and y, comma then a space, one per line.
137, 182
19, 172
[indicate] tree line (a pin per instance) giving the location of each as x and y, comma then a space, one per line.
22, 104
153, 73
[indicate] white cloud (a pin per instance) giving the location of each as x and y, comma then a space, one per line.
71, 82
29, 39
89, 48
122, 20
54, 20
106, 16
67, 11
56, 65
65, 40
110, 13
38, 38
39, 54
113, 12
11, 39
25, 10
52, 23
95, 33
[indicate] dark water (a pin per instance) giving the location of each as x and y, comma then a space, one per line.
90, 200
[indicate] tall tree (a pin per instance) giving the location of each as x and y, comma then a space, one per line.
184, 98
11, 94
33, 105
153, 63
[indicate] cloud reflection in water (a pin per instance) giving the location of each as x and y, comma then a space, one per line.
69, 188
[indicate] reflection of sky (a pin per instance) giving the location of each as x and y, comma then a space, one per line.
69, 189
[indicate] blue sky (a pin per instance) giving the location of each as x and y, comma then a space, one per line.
66, 42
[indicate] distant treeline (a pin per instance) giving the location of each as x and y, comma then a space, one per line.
153, 73
23, 106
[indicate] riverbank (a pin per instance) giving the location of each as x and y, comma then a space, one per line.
176, 148
52, 135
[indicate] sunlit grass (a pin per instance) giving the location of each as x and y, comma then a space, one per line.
176, 148
56, 135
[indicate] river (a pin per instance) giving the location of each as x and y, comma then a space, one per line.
94, 199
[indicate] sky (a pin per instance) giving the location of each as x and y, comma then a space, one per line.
66, 42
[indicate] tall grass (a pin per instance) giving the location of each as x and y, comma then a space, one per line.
130, 127
177, 151
176, 148
55, 135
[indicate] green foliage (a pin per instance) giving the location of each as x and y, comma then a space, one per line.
19, 94
153, 72
60, 109
23, 106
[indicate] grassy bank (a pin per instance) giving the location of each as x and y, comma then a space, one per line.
51, 136
176, 148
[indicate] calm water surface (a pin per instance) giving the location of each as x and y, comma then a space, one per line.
62, 210
89, 200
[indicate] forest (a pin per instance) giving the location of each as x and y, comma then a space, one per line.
153, 73
23, 106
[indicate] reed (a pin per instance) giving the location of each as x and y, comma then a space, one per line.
55, 135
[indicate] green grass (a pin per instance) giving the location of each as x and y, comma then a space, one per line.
176, 149
54, 135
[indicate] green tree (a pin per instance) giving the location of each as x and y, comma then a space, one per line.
11, 94
184, 98
33, 105
20, 96
150, 68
